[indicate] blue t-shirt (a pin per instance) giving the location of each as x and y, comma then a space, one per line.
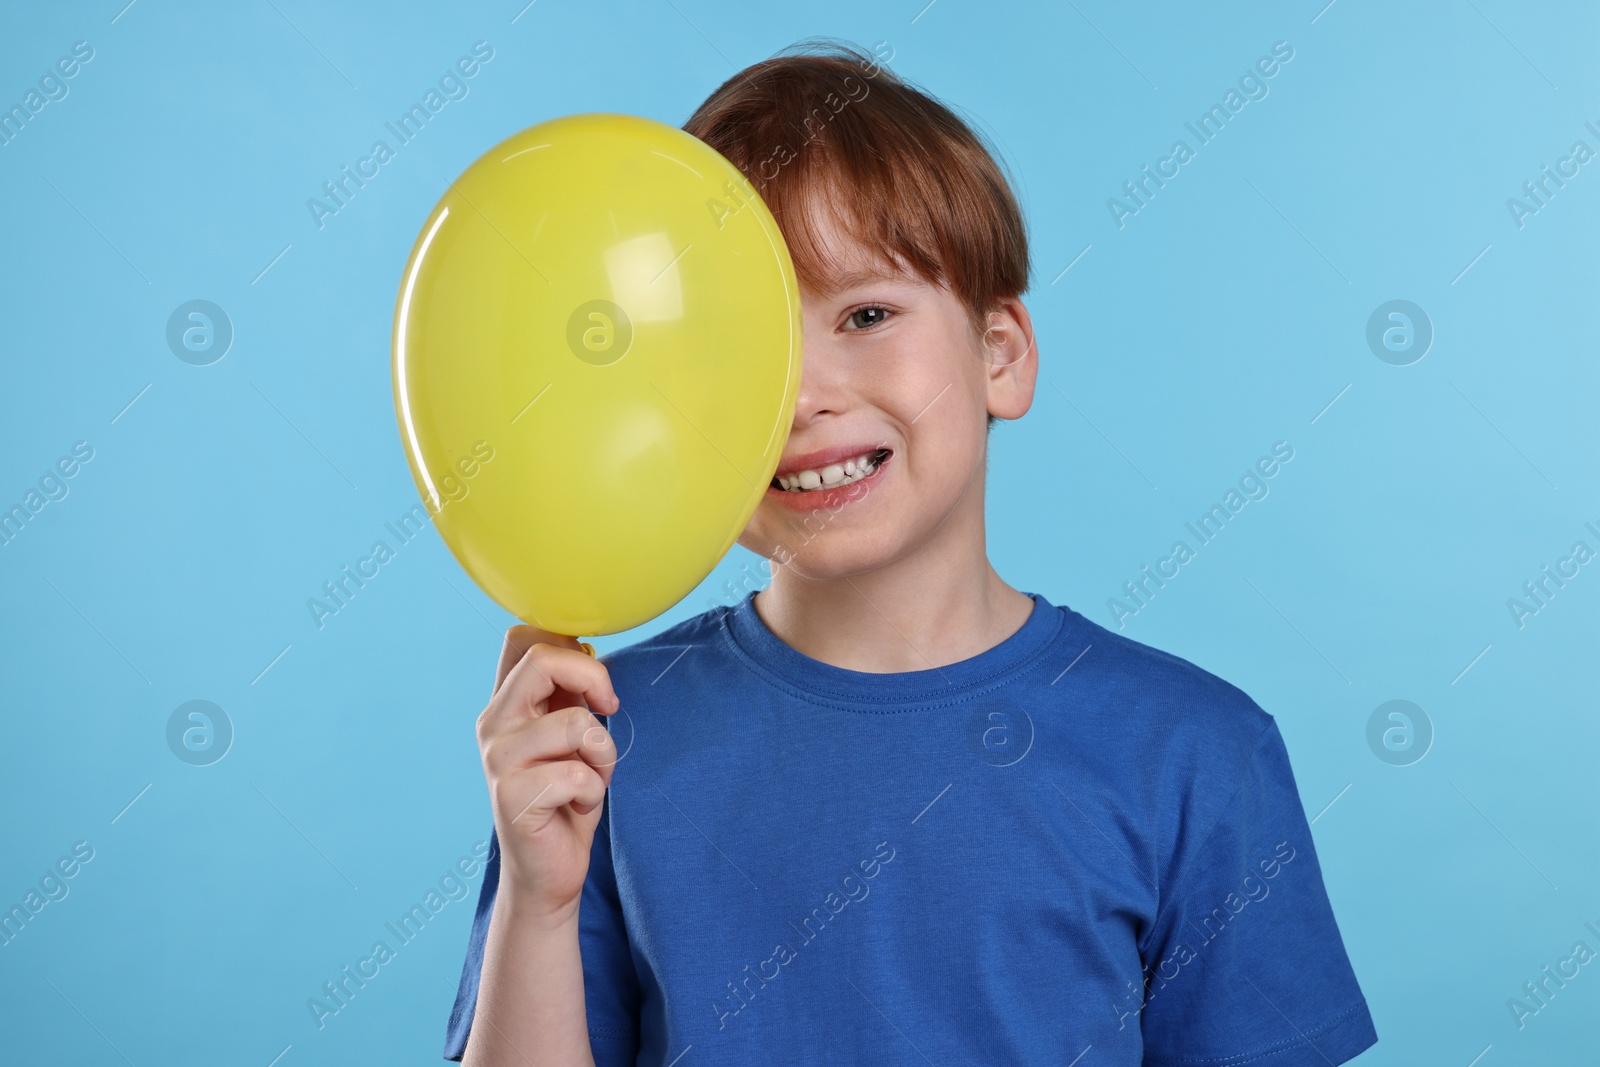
1069, 845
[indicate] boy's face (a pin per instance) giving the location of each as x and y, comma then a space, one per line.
891, 362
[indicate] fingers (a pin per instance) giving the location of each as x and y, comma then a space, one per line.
546, 677
542, 749
518, 640
557, 735
528, 799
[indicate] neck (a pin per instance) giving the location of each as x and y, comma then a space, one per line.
939, 604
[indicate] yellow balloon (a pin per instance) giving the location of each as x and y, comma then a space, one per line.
596, 358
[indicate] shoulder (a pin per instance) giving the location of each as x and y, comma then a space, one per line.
686, 649
1186, 746
1182, 715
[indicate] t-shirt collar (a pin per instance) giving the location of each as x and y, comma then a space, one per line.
763, 652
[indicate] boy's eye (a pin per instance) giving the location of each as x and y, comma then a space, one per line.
868, 316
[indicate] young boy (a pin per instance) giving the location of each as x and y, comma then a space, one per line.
890, 809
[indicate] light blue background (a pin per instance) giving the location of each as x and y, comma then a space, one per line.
1225, 316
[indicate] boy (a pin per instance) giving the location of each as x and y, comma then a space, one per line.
890, 809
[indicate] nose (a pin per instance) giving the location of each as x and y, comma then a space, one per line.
824, 378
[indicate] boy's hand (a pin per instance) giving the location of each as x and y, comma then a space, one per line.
547, 761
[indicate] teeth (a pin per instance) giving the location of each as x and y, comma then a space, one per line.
832, 476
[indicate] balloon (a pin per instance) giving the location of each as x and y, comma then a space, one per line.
596, 359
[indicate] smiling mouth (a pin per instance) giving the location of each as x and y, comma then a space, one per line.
833, 476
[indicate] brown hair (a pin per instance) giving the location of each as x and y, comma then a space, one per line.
821, 122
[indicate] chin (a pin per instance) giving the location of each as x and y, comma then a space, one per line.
828, 555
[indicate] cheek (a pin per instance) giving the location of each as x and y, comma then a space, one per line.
949, 452
946, 363
937, 397
943, 408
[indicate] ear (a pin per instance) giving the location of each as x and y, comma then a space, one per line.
1011, 359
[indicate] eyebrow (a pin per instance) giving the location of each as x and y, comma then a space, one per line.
851, 279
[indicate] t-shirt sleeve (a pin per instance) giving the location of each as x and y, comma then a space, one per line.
610, 983
1244, 963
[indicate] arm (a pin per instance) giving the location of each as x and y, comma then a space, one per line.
547, 762
530, 1007
1244, 958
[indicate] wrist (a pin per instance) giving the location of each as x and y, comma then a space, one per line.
528, 911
